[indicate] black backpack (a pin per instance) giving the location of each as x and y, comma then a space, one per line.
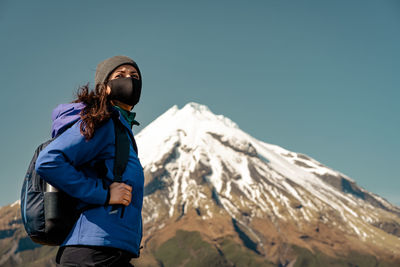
49, 214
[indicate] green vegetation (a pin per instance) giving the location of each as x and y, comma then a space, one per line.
42, 256
307, 259
189, 249
241, 256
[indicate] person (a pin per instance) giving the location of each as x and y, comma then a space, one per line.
110, 233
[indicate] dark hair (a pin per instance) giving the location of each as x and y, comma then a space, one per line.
97, 109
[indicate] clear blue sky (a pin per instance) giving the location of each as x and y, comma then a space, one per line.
317, 77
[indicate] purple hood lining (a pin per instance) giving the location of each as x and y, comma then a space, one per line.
64, 115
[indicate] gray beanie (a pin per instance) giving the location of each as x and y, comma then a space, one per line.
106, 67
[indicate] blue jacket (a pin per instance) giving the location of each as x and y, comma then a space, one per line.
60, 164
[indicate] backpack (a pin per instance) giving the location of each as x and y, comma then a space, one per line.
49, 214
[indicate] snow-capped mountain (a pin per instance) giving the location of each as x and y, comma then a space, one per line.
215, 196
202, 165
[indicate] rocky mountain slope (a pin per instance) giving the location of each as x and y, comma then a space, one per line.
215, 196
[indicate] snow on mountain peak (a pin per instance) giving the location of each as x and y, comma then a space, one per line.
189, 124
196, 107
191, 115
202, 112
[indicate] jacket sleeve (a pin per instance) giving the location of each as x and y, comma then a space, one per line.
57, 163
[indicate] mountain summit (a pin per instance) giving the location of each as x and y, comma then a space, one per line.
215, 196
205, 174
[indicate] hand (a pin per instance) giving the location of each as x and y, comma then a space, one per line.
120, 193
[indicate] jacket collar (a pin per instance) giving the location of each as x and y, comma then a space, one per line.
128, 116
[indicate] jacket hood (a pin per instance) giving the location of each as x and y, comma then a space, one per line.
63, 116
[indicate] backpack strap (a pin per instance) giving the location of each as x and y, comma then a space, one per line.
122, 146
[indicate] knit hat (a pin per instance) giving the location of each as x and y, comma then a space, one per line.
106, 67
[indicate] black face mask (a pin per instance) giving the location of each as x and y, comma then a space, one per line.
127, 90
